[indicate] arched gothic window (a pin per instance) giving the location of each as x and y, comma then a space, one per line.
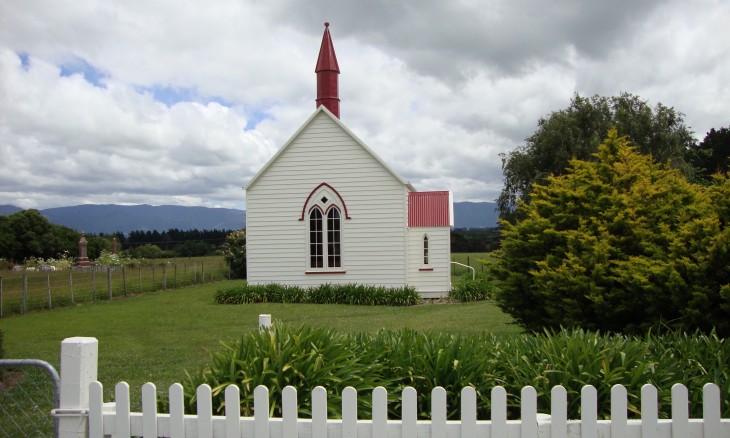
425, 249
334, 259
316, 240
324, 212
325, 238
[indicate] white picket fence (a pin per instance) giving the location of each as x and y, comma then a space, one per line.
120, 422
82, 412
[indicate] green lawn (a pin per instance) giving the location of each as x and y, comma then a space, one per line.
156, 336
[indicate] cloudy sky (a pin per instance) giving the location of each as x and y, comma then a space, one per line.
181, 101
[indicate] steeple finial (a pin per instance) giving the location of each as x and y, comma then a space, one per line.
327, 71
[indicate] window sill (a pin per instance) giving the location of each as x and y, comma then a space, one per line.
324, 272
425, 269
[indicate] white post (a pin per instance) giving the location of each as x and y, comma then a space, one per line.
264, 322
79, 360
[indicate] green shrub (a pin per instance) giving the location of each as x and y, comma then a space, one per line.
305, 358
236, 253
472, 290
620, 244
244, 293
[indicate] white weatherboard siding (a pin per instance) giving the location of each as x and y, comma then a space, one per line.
436, 282
373, 240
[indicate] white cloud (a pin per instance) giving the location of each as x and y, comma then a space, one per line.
180, 102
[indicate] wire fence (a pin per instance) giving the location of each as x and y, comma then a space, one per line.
26, 292
29, 391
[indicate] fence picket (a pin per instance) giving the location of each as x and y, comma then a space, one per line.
261, 411
349, 412
680, 410
558, 412
438, 412
233, 412
619, 411
205, 411
149, 410
468, 412
528, 412
711, 409
96, 409
289, 412
649, 412
319, 412
380, 413
589, 412
121, 395
177, 411
499, 411
409, 413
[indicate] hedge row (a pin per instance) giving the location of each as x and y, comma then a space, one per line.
307, 357
244, 293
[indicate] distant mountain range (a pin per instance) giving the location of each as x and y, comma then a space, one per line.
96, 219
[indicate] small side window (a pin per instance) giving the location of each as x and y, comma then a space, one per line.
425, 249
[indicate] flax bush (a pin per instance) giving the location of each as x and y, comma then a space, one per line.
478, 289
244, 293
305, 357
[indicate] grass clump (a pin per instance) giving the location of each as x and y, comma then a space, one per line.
307, 357
467, 289
356, 294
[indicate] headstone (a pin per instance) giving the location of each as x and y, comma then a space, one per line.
83, 259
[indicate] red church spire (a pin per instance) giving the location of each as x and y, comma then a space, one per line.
327, 71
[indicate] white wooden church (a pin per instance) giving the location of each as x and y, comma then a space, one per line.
326, 209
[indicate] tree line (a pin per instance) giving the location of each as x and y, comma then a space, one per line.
28, 233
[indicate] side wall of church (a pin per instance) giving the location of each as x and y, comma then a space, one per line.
432, 279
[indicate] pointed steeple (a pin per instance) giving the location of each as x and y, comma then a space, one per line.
327, 75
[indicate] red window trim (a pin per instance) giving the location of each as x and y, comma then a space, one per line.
324, 272
425, 269
344, 206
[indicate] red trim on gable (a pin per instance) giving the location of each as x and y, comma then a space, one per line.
429, 209
304, 207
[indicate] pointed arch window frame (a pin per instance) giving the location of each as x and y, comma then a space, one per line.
324, 248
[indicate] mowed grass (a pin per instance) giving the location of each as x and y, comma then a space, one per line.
155, 337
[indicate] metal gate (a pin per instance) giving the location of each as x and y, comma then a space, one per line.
29, 391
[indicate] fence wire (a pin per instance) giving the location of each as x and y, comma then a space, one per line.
28, 393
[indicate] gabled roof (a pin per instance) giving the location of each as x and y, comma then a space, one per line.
430, 209
323, 109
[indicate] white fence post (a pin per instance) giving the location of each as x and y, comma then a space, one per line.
264, 322
79, 361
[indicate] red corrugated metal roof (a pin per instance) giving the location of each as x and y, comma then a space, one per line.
429, 209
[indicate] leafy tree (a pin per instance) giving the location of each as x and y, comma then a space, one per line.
148, 251
576, 132
619, 243
712, 155
236, 253
28, 234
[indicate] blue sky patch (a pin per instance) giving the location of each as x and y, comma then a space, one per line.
80, 66
254, 119
172, 95
24, 60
